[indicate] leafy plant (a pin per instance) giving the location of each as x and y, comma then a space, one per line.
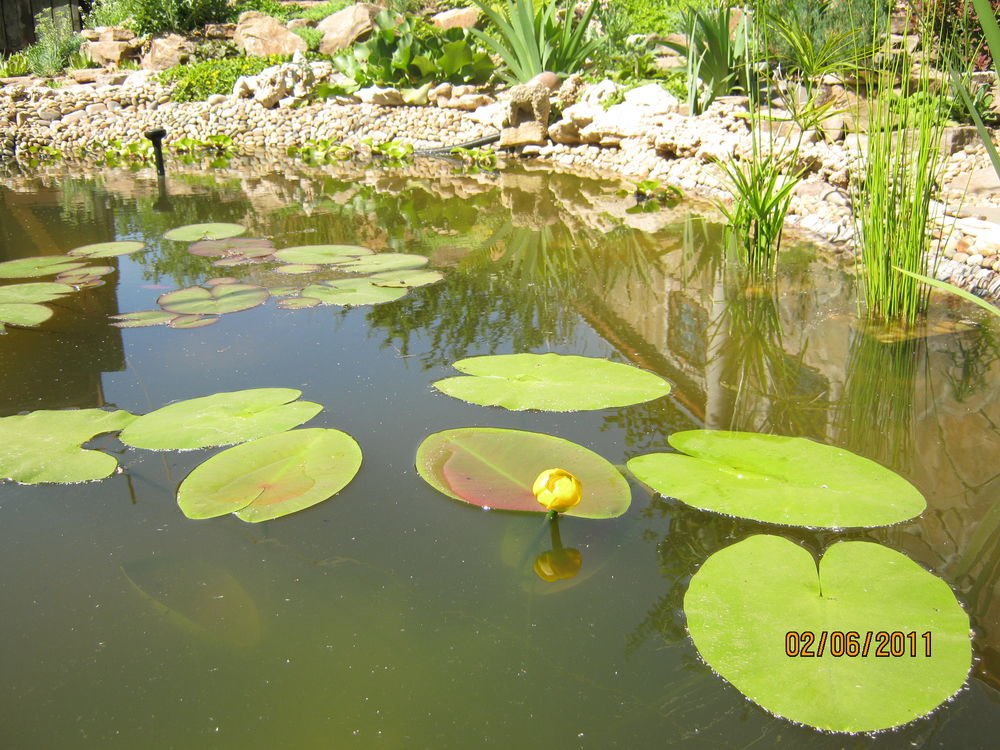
194, 83
273, 8
158, 16
531, 39
319, 12
15, 65
322, 151
56, 43
800, 53
991, 32
311, 36
478, 158
659, 17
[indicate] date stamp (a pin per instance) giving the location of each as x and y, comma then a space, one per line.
836, 643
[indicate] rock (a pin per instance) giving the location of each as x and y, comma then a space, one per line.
653, 97
167, 52
85, 75
468, 102
599, 92
954, 139
220, 31
262, 36
90, 35
525, 134
109, 53
300, 23
386, 97
346, 26
114, 34
96, 108
575, 118
492, 114
546, 78
217, 99
456, 18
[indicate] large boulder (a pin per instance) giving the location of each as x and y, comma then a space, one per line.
261, 35
110, 53
456, 18
343, 28
167, 52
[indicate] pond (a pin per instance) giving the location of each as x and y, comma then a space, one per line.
392, 615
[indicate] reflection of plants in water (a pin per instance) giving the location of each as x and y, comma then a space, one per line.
971, 361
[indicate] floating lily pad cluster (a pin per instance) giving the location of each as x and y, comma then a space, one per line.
366, 278
23, 304
276, 470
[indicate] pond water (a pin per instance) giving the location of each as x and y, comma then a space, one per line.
391, 616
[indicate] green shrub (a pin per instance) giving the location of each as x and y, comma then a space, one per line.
655, 16
56, 43
959, 27
158, 16
319, 12
271, 8
311, 36
197, 82
836, 32
15, 65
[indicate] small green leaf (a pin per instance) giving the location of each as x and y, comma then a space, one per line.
195, 232
778, 479
106, 249
320, 254
351, 292
220, 419
406, 279
44, 446
215, 300
745, 600
551, 382
495, 468
272, 476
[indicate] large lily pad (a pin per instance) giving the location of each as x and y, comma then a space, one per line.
216, 300
34, 292
745, 599
22, 314
271, 477
551, 382
41, 265
44, 446
384, 262
407, 278
142, 319
320, 254
220, 419
212, 231
778, 479
495, 468
351, 292
106, 249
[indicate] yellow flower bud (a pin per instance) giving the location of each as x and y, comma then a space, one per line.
557, 564
557, 489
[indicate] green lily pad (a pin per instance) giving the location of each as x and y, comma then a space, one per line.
23, 314
746, 598
778, 479
216, 300
272, 476
34, 292
143, 319
495, 468
320, 254
84, 275
41, 265
216, 281
220, 419
195, 232
44, 446
297, 303
551, 382
283, 291
406, 279
193, 321
230, 246
351, 292
294, 269
232, 260
384, 262
106, 249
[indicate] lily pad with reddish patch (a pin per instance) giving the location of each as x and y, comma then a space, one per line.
229, 246
216, 300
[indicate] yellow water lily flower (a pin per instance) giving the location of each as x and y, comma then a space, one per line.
557, 564
557, 490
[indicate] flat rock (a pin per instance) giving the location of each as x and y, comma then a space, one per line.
261, 35
525, 134
343, 28
167, 52
456, 18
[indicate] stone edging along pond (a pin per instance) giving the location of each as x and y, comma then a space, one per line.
644, 136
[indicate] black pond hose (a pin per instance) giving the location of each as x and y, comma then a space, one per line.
441, 150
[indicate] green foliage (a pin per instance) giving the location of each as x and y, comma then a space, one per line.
56, 43
196, 82
311, 36
957, 24
117, 154
15, 65
158, 16
271, 8
531, 39
216, 49
319, 12
412, 53
654, 16
323, 151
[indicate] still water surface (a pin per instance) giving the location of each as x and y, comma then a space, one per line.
391, 616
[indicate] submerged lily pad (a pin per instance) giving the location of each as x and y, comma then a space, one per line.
216, 300
220, 419
23, 314
143, 319
294, 269
272, 476
495, 468
212, 231
407, 278
44, 446
106, 249
34, 292
229, 246
551, 382
351, 292
84, 275
384, 262
297, 303
746, 598
778, 479
320, 254
41, 265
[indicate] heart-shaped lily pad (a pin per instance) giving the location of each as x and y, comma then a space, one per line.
551, 382
211, 231
44, 446
351, 292
384, 262
41, 265
320, 254
406, 279
34, 292
746, 599
495, 468
778, 479
143, 319
106, 249
220, 419
23, 314
271, 477
216, 300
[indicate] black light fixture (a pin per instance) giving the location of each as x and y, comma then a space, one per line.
156, 137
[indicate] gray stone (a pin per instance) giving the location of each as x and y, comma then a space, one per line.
346, 26
262, 36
